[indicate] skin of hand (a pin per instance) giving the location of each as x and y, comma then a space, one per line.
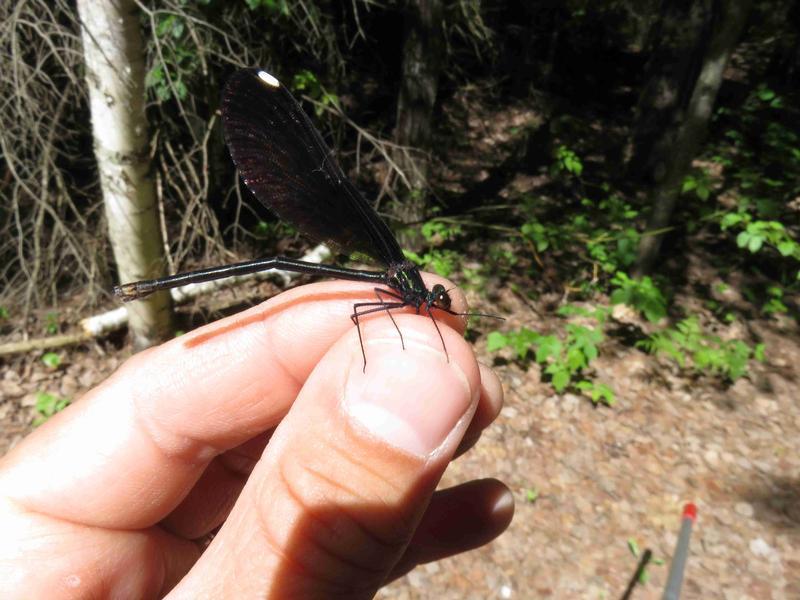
256, 458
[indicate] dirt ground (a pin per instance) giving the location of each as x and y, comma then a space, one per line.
587, 479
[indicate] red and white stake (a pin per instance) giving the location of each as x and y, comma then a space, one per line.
672, 591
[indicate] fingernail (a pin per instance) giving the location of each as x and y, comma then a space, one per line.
412, 399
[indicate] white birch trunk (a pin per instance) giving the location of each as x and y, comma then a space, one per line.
113, 53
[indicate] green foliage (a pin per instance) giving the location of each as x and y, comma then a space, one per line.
774, 304
502, 256
698, 182
562, 359
275, 6
47, 405
271, 231
157, 79
633, 548
540, 235
177, 62
442, 262
307, 83
51, 360
611, 238
613, 253
599, 314
616, 209
51, 325
597, 392
531, 495
567, 161
755, 234
3, 313
473, 279
640, 294
758, 144
437, 231
520, 341
768, 97
720, 311
605, 229
689, 346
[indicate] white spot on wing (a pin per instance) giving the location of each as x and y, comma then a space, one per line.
268, 79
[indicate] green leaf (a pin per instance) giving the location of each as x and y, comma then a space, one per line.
178, 29
730, 219
531, 495
45, 402
743, 239
413, 257
549, 347
643, 295
576, 359
765, 94
181, 91
597, 392
619, 296
496, 341
154, 76
164, 25
51, 323
755, 243
524, 341
51, 360
561, 380
47, 405
605, 393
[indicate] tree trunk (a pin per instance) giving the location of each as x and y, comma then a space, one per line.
682, 141
676, 44
113, 52
423, 56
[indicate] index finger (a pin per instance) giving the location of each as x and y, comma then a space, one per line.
141, 439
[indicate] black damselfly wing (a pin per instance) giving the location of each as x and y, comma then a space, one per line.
285, 163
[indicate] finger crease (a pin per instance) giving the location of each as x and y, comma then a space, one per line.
314, 540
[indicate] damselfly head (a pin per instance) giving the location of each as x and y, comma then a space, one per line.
441, 298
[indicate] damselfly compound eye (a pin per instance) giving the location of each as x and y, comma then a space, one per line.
440, 295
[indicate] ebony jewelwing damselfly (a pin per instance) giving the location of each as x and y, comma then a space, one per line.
285, 163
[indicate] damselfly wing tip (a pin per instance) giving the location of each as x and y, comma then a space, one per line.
270, 80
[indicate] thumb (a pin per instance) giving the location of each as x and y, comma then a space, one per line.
347, 476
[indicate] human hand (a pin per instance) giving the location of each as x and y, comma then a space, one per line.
321, 476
